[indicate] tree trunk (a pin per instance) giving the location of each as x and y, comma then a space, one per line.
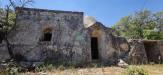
6, 33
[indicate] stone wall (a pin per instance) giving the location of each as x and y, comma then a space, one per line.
137, 54
152, 50
3, 52
145, 51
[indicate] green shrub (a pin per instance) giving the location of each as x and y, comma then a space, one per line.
11, 69
43, 67
135, 70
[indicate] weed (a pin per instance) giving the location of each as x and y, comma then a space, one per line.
135, 70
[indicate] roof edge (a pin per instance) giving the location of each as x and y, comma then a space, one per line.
47, 10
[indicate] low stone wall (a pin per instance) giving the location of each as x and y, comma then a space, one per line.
145, 51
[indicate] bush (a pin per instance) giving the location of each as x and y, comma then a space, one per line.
11, 69
152, 35
43, 67
135, 70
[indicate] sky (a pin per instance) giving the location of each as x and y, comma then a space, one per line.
106, 11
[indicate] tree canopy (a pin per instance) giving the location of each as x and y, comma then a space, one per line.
141, 25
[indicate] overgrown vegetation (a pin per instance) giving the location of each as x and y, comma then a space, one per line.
135, 70
62, 70
16, 69
50, 67
11, 69
141, 25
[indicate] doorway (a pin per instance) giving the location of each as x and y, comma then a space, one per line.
47, 37
152, 51
47, 34
94, 48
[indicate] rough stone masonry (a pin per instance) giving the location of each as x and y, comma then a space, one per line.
60, 37
56, 36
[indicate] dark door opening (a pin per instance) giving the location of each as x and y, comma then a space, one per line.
47, 37
94, 48
1, 37
152, 52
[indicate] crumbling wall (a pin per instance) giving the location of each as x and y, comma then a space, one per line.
122, 46
137, 54
69, 42
152, 51
111, 48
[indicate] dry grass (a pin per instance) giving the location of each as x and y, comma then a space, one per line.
152, 70
86, 71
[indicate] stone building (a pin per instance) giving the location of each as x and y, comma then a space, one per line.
55, 36
153, 50
145, 51
50, 35
106, 47
66, 37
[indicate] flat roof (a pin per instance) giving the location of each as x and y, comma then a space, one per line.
47, 10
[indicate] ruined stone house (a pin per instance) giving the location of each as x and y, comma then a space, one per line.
62, 37
145, 51
56, 36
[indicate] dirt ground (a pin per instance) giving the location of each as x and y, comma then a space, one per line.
151, 69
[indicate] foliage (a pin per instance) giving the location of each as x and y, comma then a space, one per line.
122, 25
44, 67
141, 25
159, 19
11, 20
135, 70
7, 14
150, 34
11, 69
161, 34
